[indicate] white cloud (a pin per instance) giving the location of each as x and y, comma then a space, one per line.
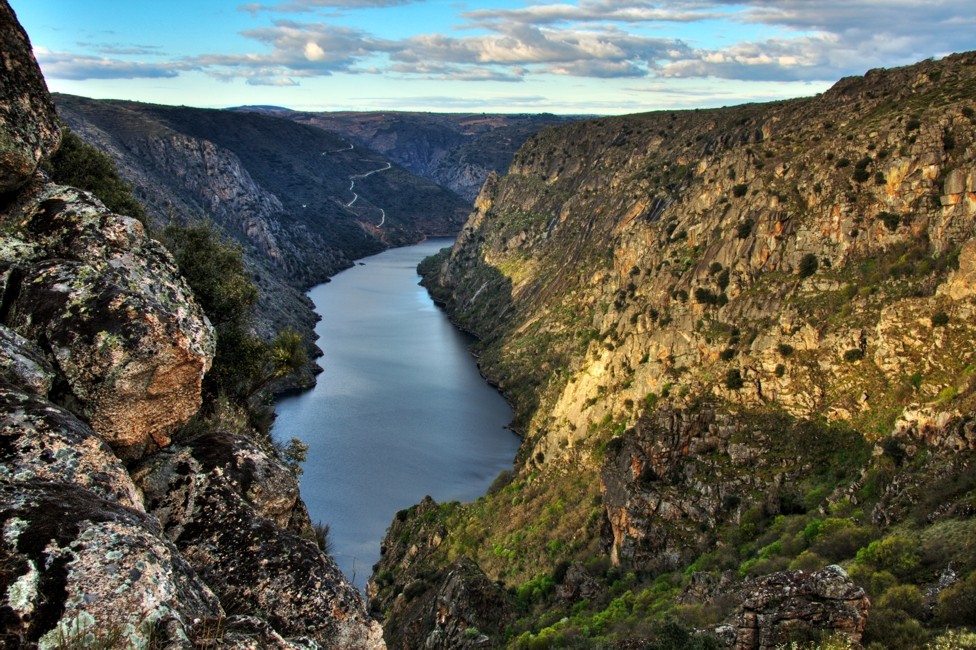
67, 65
790, 40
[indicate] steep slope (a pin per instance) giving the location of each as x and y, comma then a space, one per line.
706, 321
455, 150
300, 200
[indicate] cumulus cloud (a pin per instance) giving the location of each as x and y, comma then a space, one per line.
807, 41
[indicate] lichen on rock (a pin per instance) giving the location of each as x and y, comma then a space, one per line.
113, 313
28, 126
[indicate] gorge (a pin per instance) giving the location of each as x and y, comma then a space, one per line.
400, 411
738, 345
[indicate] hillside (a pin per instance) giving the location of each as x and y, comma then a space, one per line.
455, 150
739, 343
303, 202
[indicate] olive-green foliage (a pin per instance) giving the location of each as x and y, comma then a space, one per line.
244, 364
215, 270
957, 604
81, 165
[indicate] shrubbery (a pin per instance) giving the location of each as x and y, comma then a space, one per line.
78, 164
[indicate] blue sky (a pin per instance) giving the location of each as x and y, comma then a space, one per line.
589, 56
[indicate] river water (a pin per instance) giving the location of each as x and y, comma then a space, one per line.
400, 411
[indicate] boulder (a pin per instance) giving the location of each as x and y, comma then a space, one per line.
459, 607
211, 508
780, 607
29, 129
71, 558
23, 364
39, 440
108, 306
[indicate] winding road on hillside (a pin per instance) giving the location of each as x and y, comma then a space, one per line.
355, 196
352, 182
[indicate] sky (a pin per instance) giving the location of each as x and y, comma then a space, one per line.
512, 56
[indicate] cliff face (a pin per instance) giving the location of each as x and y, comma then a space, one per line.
114, 535
714, 315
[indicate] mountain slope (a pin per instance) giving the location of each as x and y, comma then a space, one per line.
718, 328
455, 150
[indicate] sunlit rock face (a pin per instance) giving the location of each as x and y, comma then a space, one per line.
113, 313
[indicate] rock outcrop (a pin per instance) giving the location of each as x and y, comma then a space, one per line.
231, 511
110, 536
28, 126
107, 304
788, 605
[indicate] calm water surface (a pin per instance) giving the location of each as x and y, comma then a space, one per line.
399, 413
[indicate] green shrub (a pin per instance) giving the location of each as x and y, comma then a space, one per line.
957, 604
785, 349
940, 319
739, 190
897, 554
907, 598
79, 164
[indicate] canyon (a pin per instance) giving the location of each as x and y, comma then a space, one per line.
738, 343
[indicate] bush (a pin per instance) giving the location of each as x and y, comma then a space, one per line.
957, 604
739, 190
744, 229
785, 349
81, 165
940, 319
899, 555
808, 265
854, 354
705, 296
907, 598
733, 379
891, 221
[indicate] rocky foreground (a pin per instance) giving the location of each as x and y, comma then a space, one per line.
117, 530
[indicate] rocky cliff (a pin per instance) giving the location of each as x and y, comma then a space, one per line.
737, 340
121, 527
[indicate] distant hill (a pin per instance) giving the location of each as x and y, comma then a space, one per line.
456, 150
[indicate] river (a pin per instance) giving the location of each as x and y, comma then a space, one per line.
400, 411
